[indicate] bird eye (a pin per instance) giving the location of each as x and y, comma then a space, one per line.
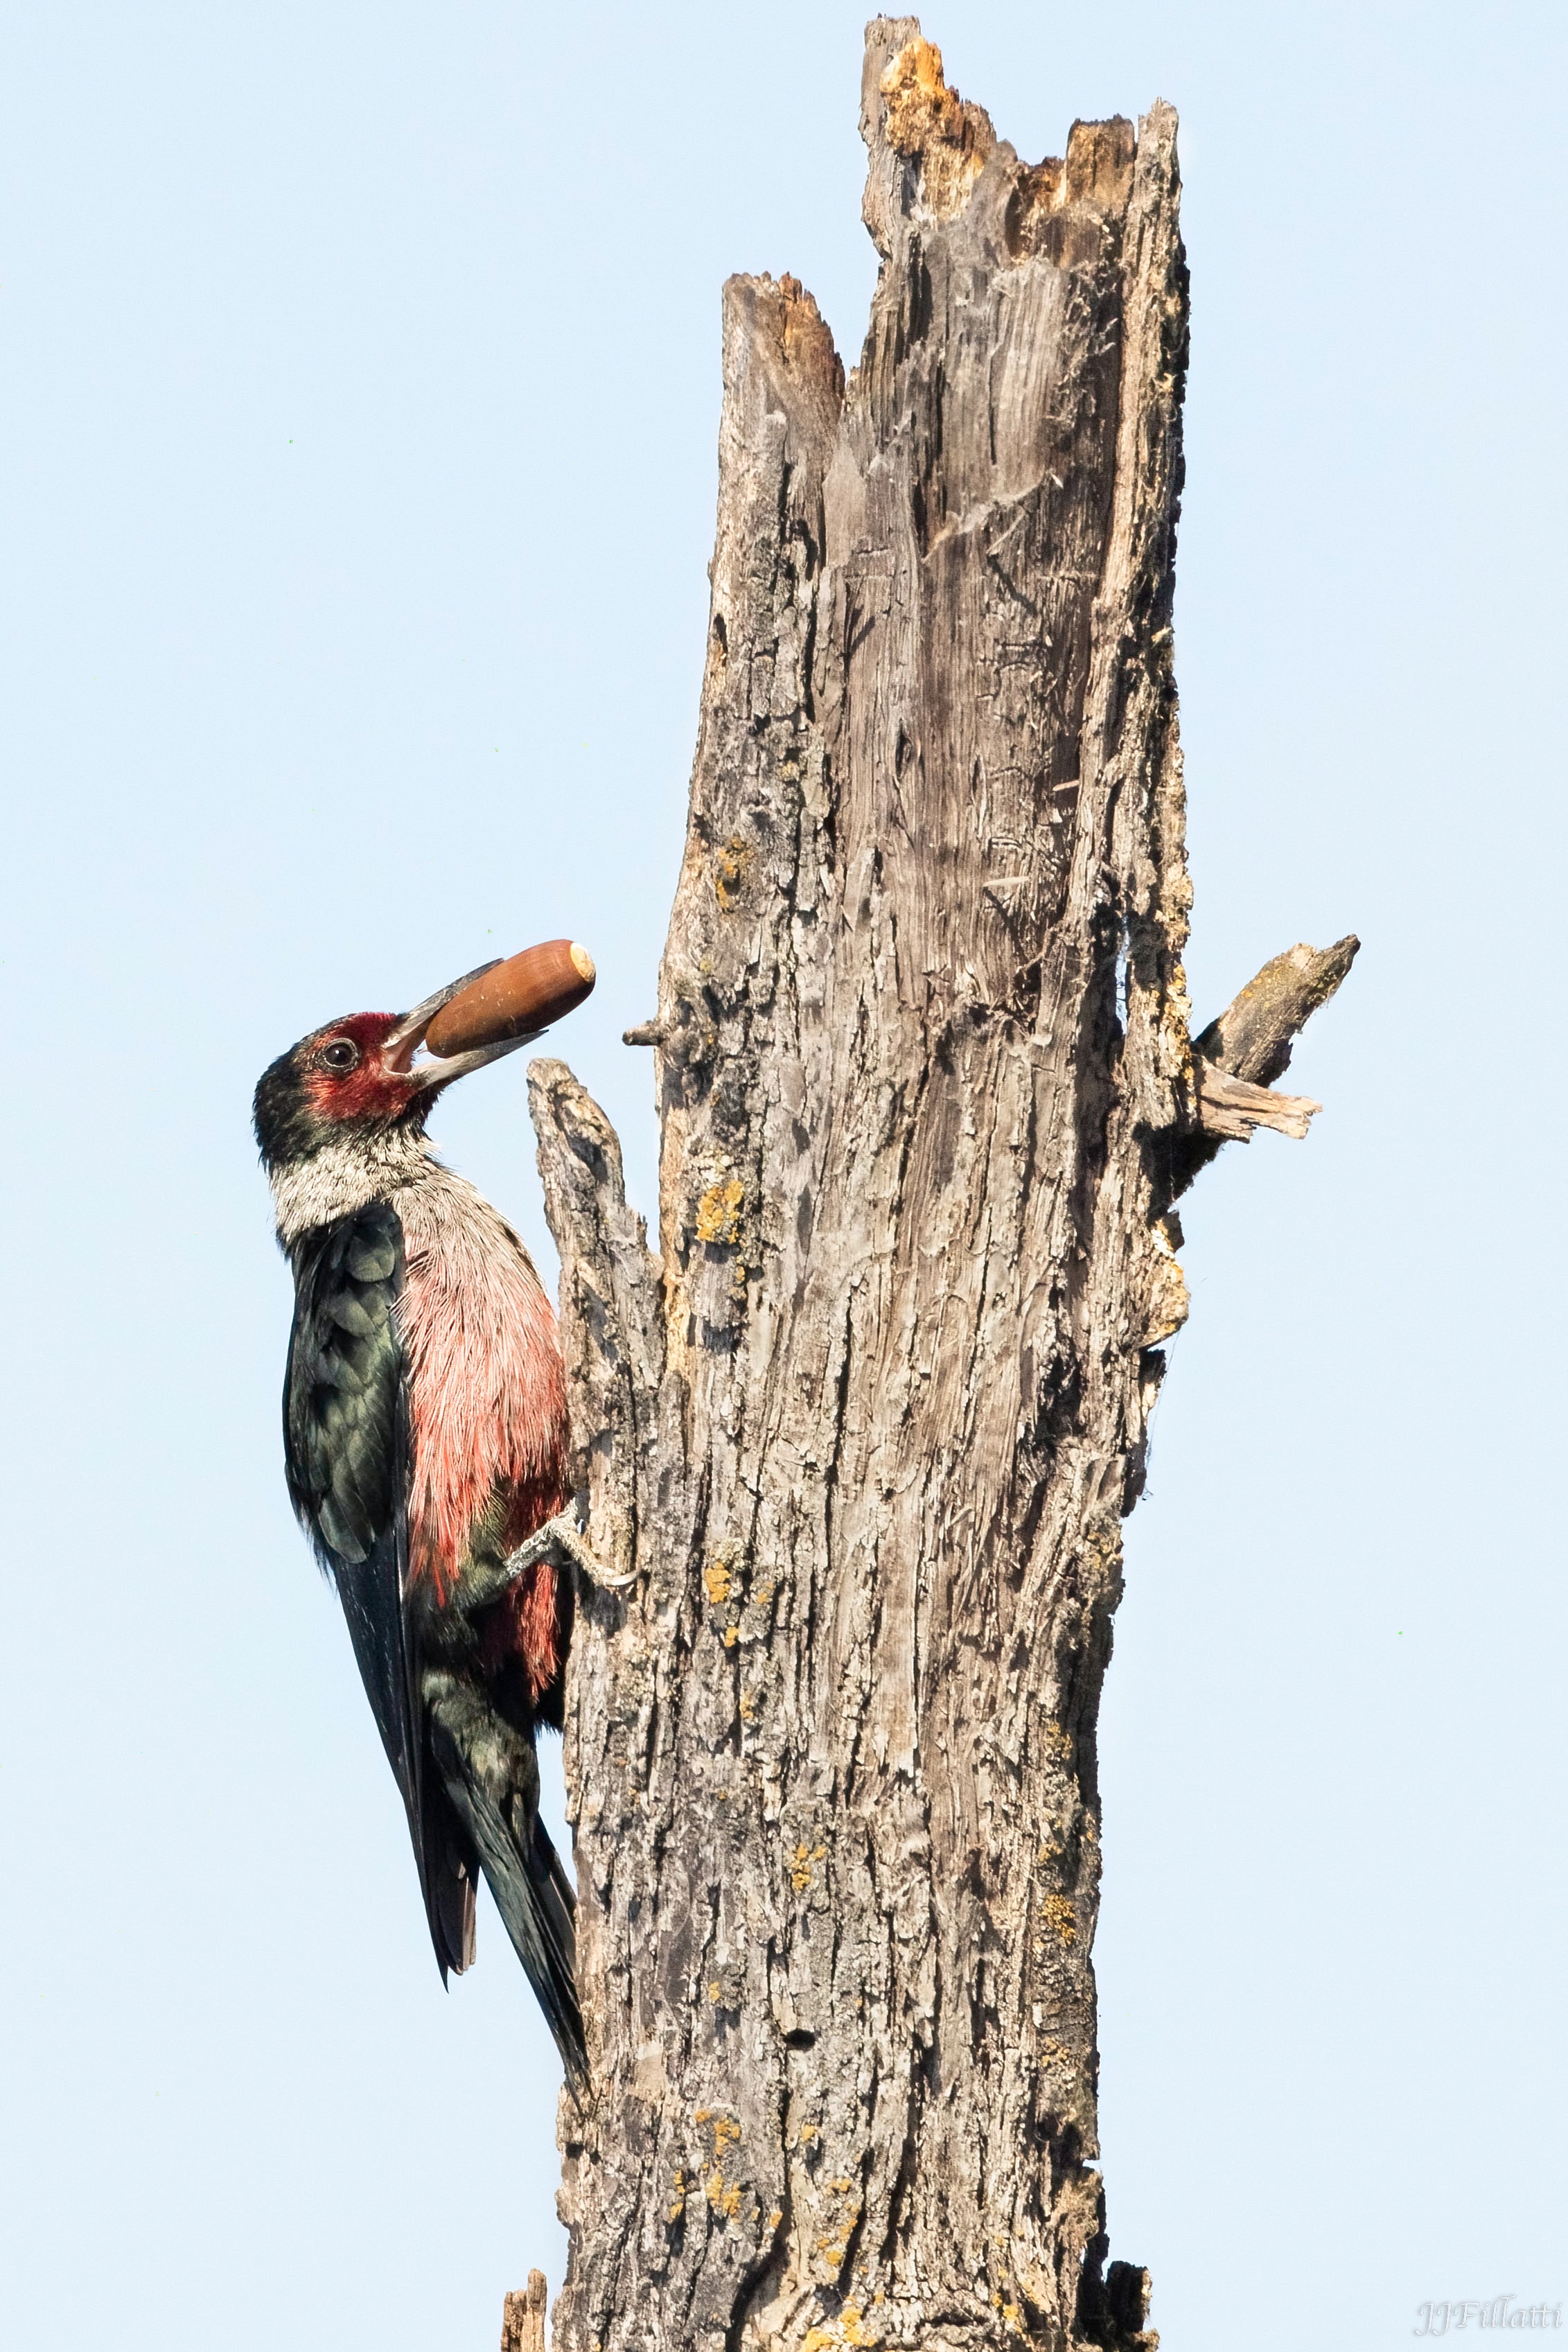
342, 1053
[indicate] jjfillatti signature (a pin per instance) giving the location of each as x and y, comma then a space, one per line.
1503, 2311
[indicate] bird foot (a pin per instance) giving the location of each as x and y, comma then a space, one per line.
563, 1539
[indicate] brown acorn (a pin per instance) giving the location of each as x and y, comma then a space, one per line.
515, 999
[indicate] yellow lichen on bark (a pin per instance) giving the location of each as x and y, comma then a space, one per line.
715, 1581
730, 867
1061, 1916
719, 1211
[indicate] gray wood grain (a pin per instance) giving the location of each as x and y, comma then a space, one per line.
868, 1423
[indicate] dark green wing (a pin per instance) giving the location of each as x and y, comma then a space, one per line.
347, 1448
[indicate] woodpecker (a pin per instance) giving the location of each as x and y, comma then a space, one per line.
424, 1440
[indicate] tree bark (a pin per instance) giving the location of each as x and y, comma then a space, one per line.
867, 1429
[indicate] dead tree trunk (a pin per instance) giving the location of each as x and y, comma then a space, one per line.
868, 1428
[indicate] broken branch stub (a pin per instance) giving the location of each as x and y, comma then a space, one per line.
1232, 1110
1237, 1058
1254, 1035
867, 1427
522, 2319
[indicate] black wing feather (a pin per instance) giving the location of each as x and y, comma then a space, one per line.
346, 1447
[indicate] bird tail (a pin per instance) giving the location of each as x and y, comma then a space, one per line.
447, 1875
533, 1894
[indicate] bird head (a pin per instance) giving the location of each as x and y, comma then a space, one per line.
357, 1081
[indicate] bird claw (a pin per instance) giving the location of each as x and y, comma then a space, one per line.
562, 1537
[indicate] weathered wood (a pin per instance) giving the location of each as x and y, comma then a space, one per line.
868, 1426
523, 2322
1254, 1035
1238, 1056
1232, 1109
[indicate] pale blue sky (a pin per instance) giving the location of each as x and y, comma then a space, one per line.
360, 382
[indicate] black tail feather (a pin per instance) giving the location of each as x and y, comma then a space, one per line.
449, 1876
534, 1899
490, 1774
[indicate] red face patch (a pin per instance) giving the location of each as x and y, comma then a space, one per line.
343, 1073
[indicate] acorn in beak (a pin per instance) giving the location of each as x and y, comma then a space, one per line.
490, 1011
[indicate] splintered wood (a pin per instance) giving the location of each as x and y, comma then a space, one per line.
523, 2324
866, 1429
